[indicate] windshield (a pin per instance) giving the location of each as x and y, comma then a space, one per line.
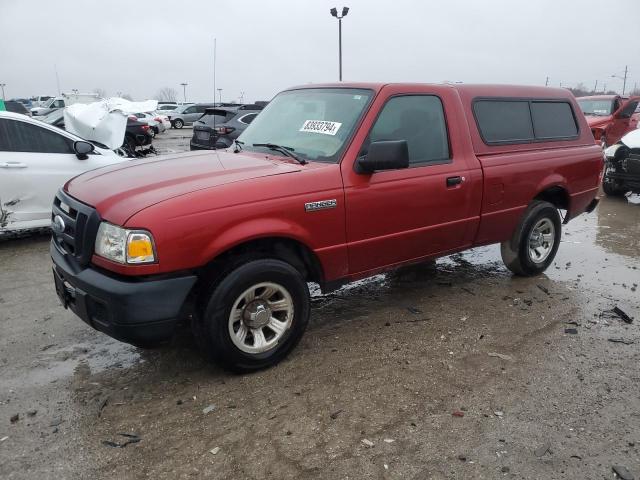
48, 103
315, 123
596, 107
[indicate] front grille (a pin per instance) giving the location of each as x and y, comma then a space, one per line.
81, 224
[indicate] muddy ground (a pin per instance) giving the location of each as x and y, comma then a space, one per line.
396, 378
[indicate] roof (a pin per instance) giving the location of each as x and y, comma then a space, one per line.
465, 89
598, 97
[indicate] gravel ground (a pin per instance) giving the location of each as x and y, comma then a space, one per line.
447, 371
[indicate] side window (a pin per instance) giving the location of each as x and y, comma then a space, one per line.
5, 135
553, 120
58, 104
190, 110
418, 119
23, 137
629, 109
247, 119
504, 121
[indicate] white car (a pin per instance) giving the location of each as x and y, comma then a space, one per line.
159, 123
37, 159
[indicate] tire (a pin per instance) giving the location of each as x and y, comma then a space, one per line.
178, 124
246, 350
518, 253
612, 189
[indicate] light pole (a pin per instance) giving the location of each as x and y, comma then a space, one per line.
2, 85
334, 13
241, 97
184, 91
624, 79
220, 95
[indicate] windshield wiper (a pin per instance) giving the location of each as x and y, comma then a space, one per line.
287, 151
237, 146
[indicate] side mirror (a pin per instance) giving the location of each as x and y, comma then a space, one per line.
384, 155
83, 149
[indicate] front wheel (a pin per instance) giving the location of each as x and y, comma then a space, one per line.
535, 242
612, 188
255, 315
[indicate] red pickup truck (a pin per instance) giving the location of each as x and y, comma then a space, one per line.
610, 117
329, 184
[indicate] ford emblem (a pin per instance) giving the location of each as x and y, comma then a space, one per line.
58, 225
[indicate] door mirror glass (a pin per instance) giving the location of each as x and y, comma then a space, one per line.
384, 155
83, 149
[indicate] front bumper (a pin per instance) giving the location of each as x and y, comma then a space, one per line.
131, 310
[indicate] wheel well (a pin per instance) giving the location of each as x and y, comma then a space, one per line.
557, 196
291, 251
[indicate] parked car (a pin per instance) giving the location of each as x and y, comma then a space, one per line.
24, 101
16, 107
187, 114
610, 117
622, 167
156, 125
333, 183
64, 100
218, 127
166, 108
40, 100
35, 161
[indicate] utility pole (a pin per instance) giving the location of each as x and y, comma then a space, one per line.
220, 95
55, 68
184, 91
595, 88
334, 13
215, 41
241, 97
624, 79
546, 83
2, 85
604, 89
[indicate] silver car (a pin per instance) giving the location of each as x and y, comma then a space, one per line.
187, 114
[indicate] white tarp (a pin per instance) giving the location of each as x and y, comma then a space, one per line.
104, 121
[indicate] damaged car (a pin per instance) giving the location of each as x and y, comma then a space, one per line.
36, 159
622, 167
610, 117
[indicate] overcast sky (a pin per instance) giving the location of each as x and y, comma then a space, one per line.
266, 46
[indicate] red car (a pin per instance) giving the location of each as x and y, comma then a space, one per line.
610, 117
329, 184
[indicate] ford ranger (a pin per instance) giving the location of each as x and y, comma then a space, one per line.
329, 184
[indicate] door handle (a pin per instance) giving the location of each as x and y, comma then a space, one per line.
453, 181
13, 165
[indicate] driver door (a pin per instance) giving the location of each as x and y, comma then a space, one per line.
624, 121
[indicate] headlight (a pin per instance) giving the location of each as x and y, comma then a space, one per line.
124, 246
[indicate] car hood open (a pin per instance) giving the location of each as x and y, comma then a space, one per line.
122, 190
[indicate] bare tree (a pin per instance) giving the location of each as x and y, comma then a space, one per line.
102, 93
126, 96
166, 94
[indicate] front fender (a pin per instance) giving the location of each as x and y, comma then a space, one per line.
255, 229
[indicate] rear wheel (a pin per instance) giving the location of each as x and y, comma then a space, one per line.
535, 242
178, 124
254, 316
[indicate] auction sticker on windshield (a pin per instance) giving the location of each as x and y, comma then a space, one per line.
321, 126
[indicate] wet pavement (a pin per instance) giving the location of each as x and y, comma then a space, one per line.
453, 370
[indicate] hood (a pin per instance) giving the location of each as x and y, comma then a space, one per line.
632, 139
122, 190
597, 120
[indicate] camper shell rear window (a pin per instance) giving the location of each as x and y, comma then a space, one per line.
511, 121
